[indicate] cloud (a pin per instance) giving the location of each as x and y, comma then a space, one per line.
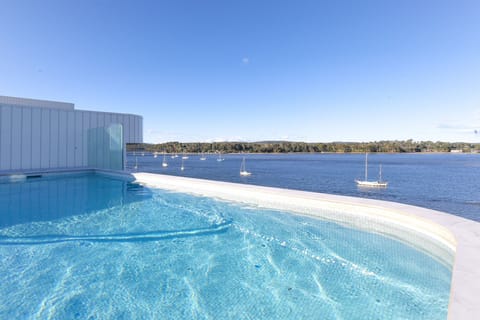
460, 130
469, 125
458, 127
230, 139
455, 126
159, 136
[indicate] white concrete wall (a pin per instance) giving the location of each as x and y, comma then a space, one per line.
41, 137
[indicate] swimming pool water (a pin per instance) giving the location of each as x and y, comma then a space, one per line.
135, 253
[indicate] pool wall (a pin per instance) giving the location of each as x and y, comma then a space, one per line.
453, 240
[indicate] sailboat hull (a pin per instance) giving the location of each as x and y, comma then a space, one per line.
371, 184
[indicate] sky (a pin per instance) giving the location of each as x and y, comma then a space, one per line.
227, 70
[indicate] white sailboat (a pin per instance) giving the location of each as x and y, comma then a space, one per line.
243, 170
184, 156
182, 167
376, 184
219, 159
136, 163
164, 162
202, 157
155, 154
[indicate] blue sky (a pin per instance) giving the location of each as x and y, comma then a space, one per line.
203, 70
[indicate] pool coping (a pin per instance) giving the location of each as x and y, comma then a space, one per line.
450, 238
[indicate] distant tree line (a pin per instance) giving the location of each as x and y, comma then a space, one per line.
287, 147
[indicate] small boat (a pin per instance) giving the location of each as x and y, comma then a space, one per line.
202, 157
243, 170
136, 163
164, 162
155, 154
182, 167
219, 159
173, 156
374, 184
184, 156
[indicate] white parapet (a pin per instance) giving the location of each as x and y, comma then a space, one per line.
452, 240
35, 103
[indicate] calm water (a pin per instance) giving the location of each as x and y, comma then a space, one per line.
89, 247
446, 182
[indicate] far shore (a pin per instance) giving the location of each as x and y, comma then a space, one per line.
286, 153
286, 147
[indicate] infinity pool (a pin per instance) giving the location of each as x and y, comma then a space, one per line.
91, 247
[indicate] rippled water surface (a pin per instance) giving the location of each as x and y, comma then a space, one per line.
446, 182
89, 247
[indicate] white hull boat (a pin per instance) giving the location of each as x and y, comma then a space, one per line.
243, 170
164, 162
371, 184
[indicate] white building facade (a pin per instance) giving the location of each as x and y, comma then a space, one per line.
38, 135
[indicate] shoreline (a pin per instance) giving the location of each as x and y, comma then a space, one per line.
304, 153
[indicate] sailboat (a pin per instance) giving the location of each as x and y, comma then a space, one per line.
243, 170
220, 157
202, 157
375, 184
184, 156
136, 163
155, 154
164, 162
182, 167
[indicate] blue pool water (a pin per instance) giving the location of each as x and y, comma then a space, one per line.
116, 250
445, 182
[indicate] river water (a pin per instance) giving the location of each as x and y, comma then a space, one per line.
445, 182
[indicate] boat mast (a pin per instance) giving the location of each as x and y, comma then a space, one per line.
366, 166
380, 174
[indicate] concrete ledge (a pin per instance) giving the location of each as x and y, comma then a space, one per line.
454, 241
12, 176
36, 103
